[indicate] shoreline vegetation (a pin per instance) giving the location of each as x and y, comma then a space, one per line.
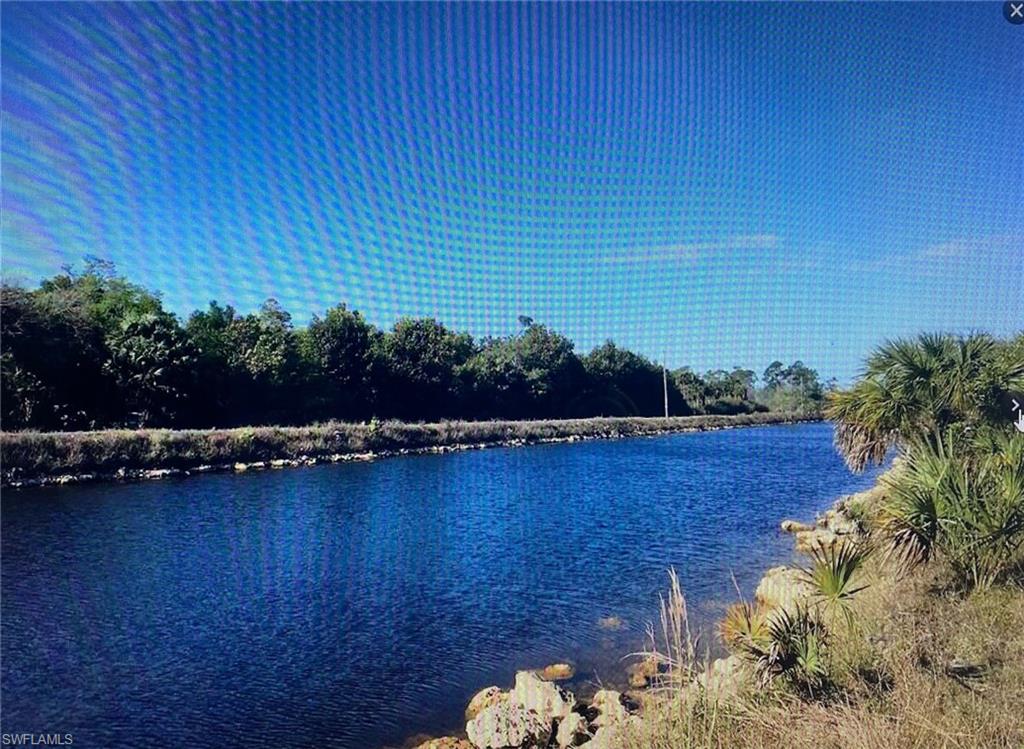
91, 350
41, 458
903, 626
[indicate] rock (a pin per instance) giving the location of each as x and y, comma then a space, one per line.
507, 724
484, 698
782, 587
445, 742
795, 526
572, 731
609, 703
610, 623
557, 672
241, 467
807, 541
843, 525
613, 737
724, 677
547, 700
642, 672
645, 701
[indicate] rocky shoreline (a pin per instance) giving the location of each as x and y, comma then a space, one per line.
536, 713
18, 476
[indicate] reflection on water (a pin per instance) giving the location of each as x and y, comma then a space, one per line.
354, 605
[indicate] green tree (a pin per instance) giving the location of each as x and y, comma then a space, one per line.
774, 376
217, 391
917, 389
264, 364
151, 362
624, 383
692, 388
792, 389
98, 294
417, 364
263, 344
338, 351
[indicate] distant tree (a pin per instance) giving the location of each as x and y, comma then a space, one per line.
54, 343
337, 350
207, 330
793, 389
692, 388
532, 374
773, 376
553, 371
417, 365
262, 344
494, 381
627, 383
90, 349
216, 394
151, 361
263, 361
98, 294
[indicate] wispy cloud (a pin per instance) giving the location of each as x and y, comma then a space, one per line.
931, 259
965, 247
692, 251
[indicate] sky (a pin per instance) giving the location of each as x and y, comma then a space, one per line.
712, 185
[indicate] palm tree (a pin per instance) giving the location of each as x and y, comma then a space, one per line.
916, 389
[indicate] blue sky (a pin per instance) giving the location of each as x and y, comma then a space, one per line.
717, 185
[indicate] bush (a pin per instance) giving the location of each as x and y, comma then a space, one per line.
962, 498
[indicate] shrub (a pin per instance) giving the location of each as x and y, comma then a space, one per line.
744, 628
962, 498
833, 575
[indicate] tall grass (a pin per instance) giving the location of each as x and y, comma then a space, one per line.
891, 681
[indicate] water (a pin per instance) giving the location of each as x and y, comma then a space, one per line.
354, 605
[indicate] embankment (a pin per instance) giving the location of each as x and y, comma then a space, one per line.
32, 458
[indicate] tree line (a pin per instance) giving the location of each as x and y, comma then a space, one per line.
89, 349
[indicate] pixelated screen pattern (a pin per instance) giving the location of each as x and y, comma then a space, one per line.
714, 185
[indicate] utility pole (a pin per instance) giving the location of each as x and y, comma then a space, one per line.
664, 383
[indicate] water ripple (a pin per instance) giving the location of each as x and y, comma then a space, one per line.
355, 605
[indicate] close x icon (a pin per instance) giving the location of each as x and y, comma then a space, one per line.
1013, 11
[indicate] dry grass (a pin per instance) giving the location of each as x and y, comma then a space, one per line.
26, 455
925, 668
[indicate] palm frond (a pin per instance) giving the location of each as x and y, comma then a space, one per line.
834, 576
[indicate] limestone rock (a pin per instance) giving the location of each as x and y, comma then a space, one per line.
642, 672
545, 699
807, 541
484, 698
610, 623
609, 703
783, 587
572, 731
795, 526
445, 742
723, 677
557, 672
613, 737
507, 724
